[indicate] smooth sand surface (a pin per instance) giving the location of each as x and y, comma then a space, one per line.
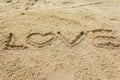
59, 39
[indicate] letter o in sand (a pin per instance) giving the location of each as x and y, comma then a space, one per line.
40, 40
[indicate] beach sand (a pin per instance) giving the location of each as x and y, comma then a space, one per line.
59, 40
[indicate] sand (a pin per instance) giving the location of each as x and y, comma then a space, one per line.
59, 40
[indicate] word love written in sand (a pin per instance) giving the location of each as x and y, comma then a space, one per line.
107, 41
